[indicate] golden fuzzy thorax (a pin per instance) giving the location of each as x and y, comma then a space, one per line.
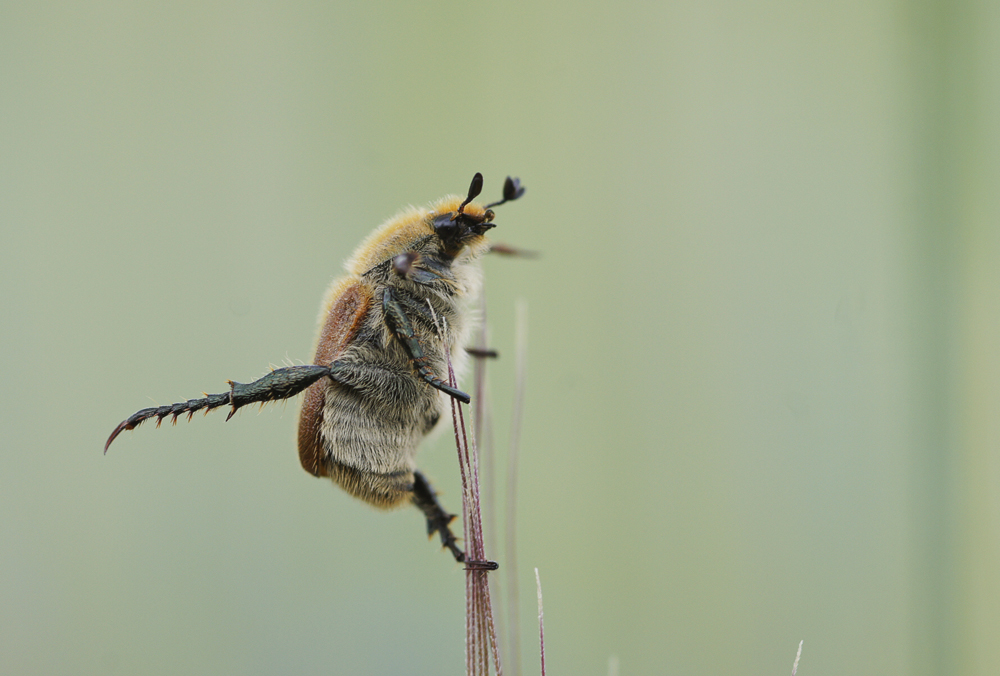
396, 234
393, 238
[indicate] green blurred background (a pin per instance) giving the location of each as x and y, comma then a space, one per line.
764, 383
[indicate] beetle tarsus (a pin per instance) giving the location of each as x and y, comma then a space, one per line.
481, 565
482, 353
438, 519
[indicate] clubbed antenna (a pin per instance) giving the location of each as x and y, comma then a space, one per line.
474, 189
512, 189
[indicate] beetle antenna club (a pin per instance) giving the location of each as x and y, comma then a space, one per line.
375, 390
475, 188
512, 190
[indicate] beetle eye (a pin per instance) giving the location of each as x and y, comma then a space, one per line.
446, 228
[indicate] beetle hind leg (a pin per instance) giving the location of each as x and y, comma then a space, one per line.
438, 520
279, 384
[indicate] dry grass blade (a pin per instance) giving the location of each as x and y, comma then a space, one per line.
480, 630
513, 455
481, 634
482, 428
541, 620
795, 666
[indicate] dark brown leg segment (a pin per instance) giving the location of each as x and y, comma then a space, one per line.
438, 521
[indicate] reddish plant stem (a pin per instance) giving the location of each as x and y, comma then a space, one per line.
480, 631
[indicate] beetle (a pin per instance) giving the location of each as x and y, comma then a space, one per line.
386, 330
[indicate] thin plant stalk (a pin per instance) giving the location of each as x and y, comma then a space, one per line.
541, 621
513, 456
483, 440
798, 654
480, 630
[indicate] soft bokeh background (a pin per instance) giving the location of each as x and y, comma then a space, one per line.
763, 397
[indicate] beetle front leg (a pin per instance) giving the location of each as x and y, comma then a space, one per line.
402, 327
